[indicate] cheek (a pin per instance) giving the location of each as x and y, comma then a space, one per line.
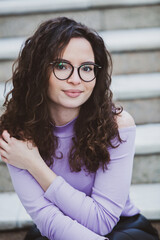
90, 86
54, 84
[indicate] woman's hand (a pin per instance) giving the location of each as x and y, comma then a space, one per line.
24, 155
21, 154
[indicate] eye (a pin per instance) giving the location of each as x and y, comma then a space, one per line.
87, 68
61, 66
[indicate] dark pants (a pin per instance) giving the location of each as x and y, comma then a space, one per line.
133, 228
128, 228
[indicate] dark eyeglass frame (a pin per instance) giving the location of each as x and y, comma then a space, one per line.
78, 69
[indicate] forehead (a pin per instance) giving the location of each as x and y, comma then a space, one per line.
78, 49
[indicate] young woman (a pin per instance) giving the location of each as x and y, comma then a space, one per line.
69, 150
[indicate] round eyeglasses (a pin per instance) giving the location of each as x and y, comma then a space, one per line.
63, 70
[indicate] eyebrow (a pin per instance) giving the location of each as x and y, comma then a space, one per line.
64, 60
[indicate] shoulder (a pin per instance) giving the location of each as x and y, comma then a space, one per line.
124, 119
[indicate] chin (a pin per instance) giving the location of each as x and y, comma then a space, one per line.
72, 106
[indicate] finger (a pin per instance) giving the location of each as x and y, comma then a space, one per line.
3, 144
3, 153
6, 136
4, 159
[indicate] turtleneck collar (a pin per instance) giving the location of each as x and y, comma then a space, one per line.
66, 130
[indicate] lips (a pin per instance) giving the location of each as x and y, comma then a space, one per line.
72, 92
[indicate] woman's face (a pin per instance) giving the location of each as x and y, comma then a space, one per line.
73, 92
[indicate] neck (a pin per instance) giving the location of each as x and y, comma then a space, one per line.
63, 116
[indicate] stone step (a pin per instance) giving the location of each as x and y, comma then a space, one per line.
148, 139
14, 234
116, 41
13, 215
10, 47
139, 54
136, 62
134, 92
133, 86
143, 110
124, 87
123, 63
139, 94
146, 167
20, 18
19, 7
132, 39
147, 199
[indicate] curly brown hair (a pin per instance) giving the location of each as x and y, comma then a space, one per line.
27, 114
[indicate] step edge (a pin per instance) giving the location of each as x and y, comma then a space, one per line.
29, 7
122, 93
10, 47
133, 190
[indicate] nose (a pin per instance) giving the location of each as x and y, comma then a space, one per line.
75, 78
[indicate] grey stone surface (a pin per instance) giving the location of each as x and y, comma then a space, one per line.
132, 39
129, 58
14, 234
5, 179
13, 26
10, 48
99, 18
124, 63
147, 151
5, 87
124, 87
133, 17
13, 214
148, 139
147, 197
136, 62
18, 7
116, 41
143, 110
5, 70
136, 86
146, 169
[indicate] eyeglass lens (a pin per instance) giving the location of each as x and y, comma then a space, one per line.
64, 70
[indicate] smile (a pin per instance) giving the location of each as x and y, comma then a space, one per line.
73, 93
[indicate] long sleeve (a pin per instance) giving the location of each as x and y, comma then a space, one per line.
101, 211
49, 219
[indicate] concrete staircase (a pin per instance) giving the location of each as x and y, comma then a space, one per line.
131, 30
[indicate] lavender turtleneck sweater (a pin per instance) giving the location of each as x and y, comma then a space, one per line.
80, 206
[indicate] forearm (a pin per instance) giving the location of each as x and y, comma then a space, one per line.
101, 211
82, 208
49, 219
42, 174
24, 155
